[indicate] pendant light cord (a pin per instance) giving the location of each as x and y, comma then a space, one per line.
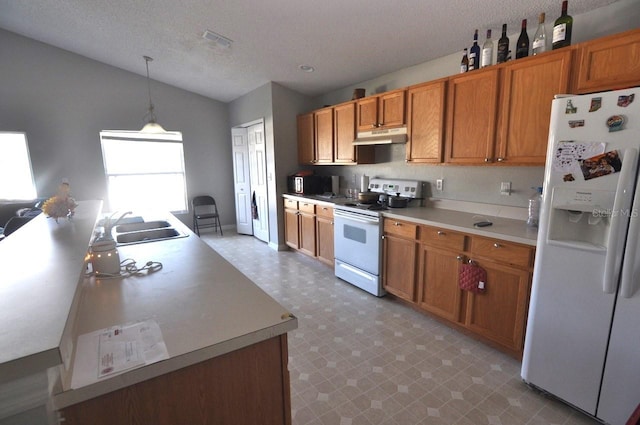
150, 113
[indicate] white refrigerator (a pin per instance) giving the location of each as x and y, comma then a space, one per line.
583, 332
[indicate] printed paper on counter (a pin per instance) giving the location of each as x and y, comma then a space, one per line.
569, 154
117, 349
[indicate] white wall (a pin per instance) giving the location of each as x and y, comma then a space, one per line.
470, 183
63, 100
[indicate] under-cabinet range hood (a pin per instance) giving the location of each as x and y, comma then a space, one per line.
381, 137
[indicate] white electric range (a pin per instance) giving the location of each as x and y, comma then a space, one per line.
358, 234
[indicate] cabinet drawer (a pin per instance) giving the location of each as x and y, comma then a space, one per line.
400, 228
307, 207
502, 251
324, 211
290, 203
442, 238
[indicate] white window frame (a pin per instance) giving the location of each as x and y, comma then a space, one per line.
16, 172
155, 196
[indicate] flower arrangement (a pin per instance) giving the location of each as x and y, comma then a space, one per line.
60, 205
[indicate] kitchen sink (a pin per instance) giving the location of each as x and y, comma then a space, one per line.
145, 225
151, 235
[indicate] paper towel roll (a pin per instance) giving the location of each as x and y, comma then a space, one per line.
364, 183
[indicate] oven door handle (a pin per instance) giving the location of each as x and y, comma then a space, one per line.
359, 219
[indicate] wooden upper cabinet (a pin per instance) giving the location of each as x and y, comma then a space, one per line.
324, 135
306, 137
609, 63
344, 121
471, 117
425, 122
527, 89
385, 110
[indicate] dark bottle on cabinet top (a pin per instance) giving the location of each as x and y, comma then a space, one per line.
474, 53
522, 46
464, 63
503, 46
562, 29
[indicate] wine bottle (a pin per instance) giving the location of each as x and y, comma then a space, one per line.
522, 46
503, 46
474, 53
540, 38
464, 63
487, 51
562, 29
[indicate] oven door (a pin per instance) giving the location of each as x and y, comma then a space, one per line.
357, 240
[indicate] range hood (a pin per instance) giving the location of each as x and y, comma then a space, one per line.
381, 137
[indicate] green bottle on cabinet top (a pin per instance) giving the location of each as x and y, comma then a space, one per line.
503, 46
522, 46
562, 28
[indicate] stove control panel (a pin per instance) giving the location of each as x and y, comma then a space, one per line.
406, 188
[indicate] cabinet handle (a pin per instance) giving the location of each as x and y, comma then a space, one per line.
500, 159
459, 258
487, 160
397, 224
441, 233
497, 245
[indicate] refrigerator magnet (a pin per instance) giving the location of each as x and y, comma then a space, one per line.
615, 123
624, 101
570, 109
576, 123
596, 103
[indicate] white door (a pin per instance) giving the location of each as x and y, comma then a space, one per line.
241, 180
258, 173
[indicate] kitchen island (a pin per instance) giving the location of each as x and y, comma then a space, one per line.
225, 338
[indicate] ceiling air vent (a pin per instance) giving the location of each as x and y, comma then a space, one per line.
218, 39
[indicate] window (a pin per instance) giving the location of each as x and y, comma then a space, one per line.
16, 174
144, 171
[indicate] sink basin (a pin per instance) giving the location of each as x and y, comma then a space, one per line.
145, 225
148, 236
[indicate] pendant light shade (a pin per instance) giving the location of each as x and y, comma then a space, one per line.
152, 125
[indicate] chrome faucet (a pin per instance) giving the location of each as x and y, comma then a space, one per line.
109, 224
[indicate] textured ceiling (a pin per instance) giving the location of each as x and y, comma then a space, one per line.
347, 41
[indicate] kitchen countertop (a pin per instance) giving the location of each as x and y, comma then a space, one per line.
507, 229
204, 306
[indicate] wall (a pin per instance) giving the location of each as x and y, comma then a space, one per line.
278, 106
469, 183
63, 100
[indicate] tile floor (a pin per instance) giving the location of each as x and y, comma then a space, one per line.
360, 360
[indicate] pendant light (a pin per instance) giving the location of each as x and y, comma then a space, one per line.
151, 126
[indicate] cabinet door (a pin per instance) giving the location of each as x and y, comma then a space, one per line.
528, 87
609, 63
307, 223
499, 313
324, 239
437, 282
306, 135
324, 135
367, 113
391, 109
399, 267
344, 132
291, 229
471, 117
425, 126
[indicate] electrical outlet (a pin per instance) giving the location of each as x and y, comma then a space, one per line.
505, 188
439, 184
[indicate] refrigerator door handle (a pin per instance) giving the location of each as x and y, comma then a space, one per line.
618, 219
627, 284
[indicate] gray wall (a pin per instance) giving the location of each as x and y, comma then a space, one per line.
470, 183
278, 106
63, 100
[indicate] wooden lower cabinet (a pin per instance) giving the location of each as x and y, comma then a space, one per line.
421, 266
438, 290
500, 312
324, 234
291, 227
244, 387
307, 233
